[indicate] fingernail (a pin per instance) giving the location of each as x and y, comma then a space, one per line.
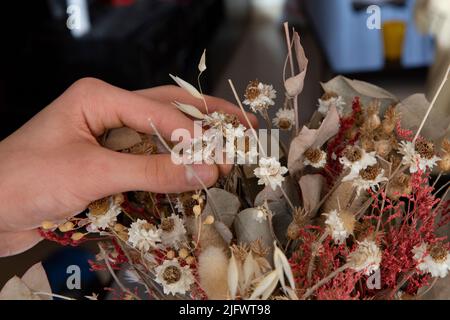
197, 172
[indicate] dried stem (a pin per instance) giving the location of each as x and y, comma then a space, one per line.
311, 290
433, 102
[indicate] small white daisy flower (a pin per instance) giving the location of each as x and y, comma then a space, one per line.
262, 212
102, 221
356, 159
143, 236
215, 120
284, 119
326, 102
369, 178
270, 172
259, 96
340, 225
419, 156
173, 232
366, 257
315, 157
173, 277
434, 259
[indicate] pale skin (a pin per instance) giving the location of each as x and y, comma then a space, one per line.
53, 167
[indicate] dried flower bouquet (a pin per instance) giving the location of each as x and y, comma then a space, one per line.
350, 210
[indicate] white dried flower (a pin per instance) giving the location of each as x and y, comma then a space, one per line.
366, 257
270, 172
262, 212
418, 157
326, 104
173, 232
259, 96
337, 227
105, 220
173, 277
356, 159
143, 236
369, 178
284, 119
433, 259
315, 157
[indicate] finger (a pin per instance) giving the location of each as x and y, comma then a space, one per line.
104, 106
18, 242
157, 173
169, 94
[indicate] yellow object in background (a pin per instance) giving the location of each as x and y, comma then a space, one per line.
394, 35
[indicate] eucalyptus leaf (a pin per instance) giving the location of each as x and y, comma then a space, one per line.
121, 138
349, 89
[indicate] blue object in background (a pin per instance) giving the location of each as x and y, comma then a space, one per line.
56, 267
352, 47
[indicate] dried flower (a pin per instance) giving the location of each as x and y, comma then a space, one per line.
372, 121
399, 186
366, 257
340, 225
270, 172
173, 277
315, 157
259, 96
434, 259
331, 99
356, 159
369, 178
284, 119
262, 212
101, 219
143, 235
418, 157
173, 232
390, 120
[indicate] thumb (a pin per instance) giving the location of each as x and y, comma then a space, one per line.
155, 173
18, 242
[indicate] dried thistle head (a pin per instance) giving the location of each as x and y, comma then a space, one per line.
240, 251
390, 120
399, 185
372, 120
258, 248
299, 220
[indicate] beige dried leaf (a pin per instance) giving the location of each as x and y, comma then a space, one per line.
311, 186
349, 89
294, 85
187, 86
412, 111
202, 63
121, 138
282, 267
189, 110
312, 138
34, 280
233, 276
266, 286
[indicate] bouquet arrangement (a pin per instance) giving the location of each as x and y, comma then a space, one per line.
348, 210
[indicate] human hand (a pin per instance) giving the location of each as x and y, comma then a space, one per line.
53, 167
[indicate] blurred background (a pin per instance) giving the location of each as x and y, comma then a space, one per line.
135, 44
